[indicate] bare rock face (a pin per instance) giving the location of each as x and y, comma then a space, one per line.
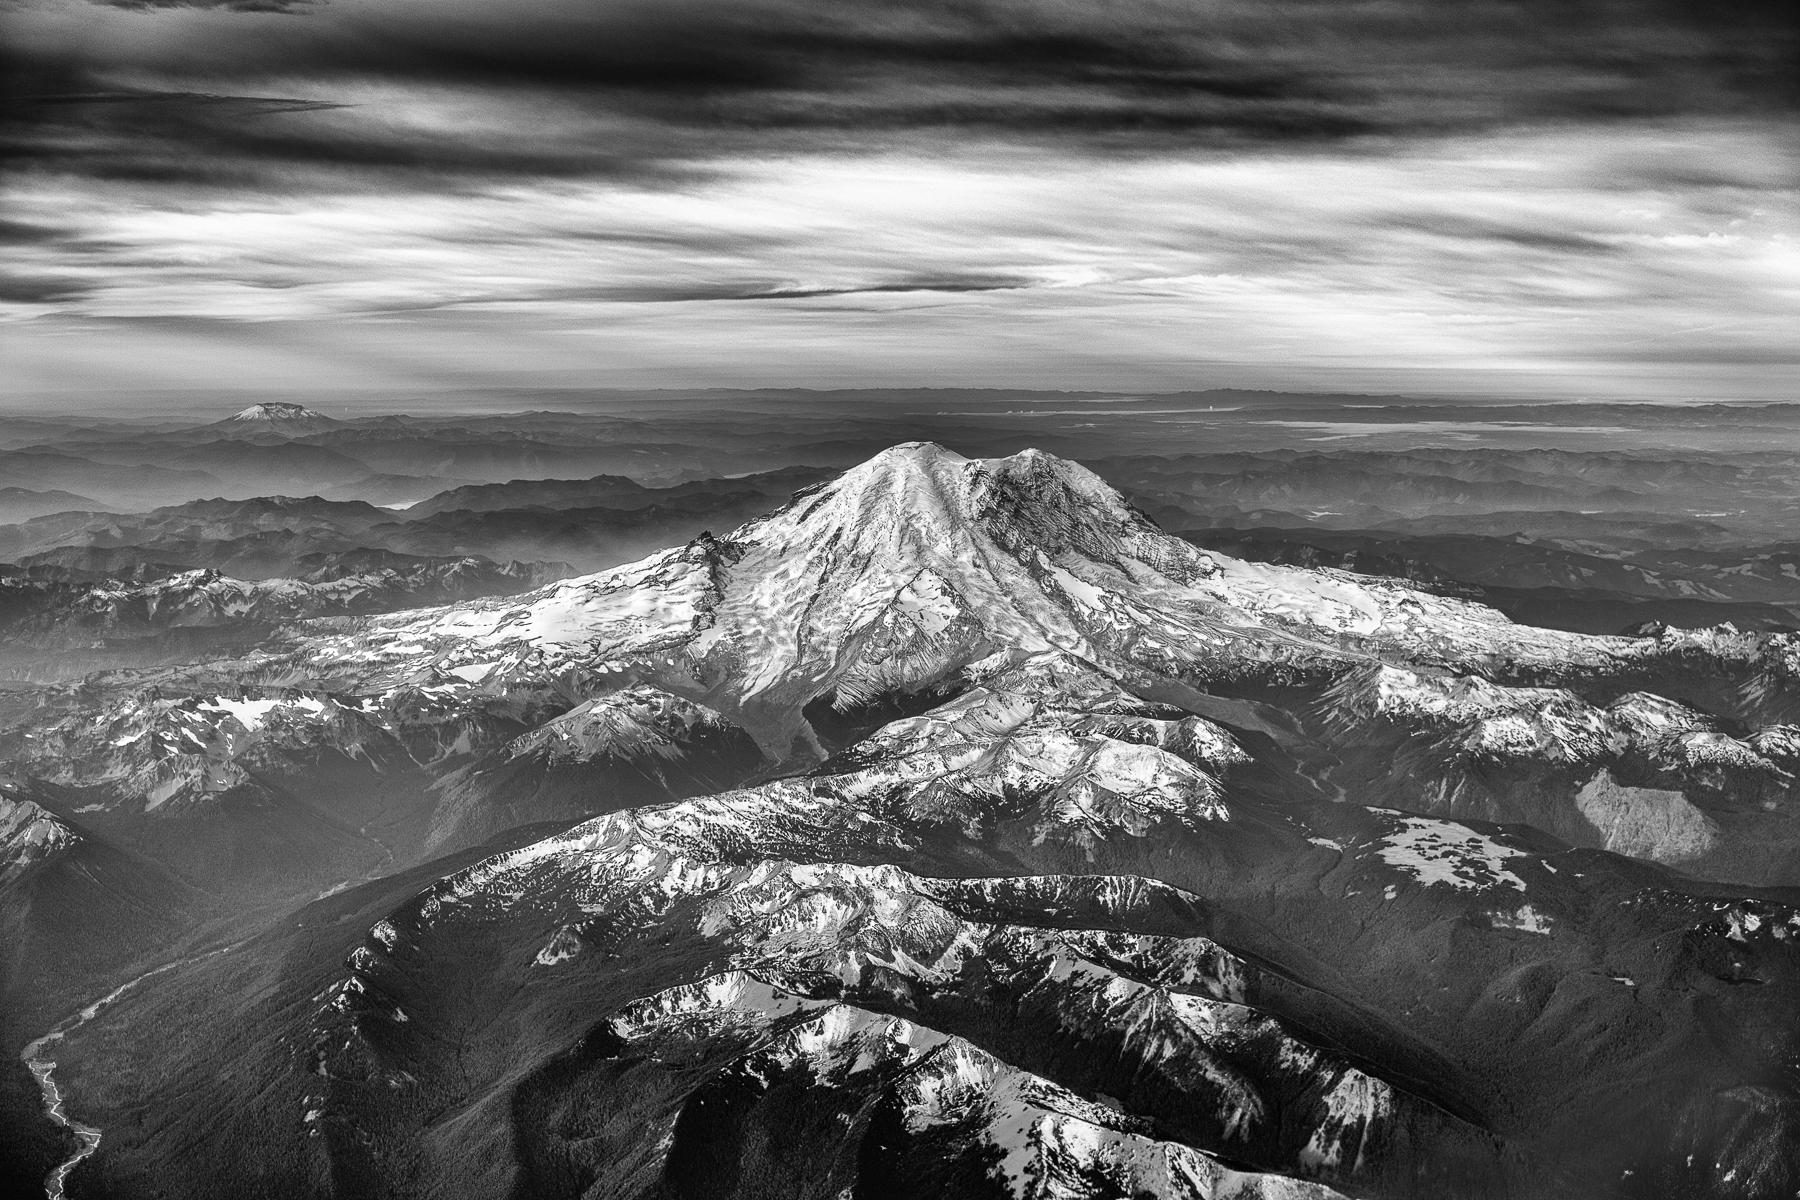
1654, 823
952, 831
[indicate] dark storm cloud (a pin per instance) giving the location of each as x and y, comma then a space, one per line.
249, 6
1548, 239
948, 284
229, 142
142, 135
940, 283
29, 232
681, 82
655, 293
1579, 55
40, 289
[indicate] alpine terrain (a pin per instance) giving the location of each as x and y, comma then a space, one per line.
950, 831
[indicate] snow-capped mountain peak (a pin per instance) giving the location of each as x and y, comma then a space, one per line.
898, 574
278, 417
276, 412
893, 576
919, 492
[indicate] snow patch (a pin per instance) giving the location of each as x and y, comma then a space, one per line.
1441, 852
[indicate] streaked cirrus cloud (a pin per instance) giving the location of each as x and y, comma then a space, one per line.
1578, 198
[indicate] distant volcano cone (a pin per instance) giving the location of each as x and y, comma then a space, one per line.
279, 418
902, 571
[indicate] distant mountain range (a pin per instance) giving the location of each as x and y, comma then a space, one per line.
22, 504
596, 521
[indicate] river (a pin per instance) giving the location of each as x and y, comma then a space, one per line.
37, 1058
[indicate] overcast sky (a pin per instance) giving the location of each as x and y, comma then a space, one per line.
1573, 198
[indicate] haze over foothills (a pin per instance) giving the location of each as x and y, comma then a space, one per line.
1540, 199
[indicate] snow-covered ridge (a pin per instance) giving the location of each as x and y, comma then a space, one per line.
1494, 721
1040, 1139
1001, 753
634, 723
804, 947
207, 597
1640, 774
158, 752
29, 835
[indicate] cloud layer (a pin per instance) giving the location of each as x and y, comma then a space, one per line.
1571, 193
